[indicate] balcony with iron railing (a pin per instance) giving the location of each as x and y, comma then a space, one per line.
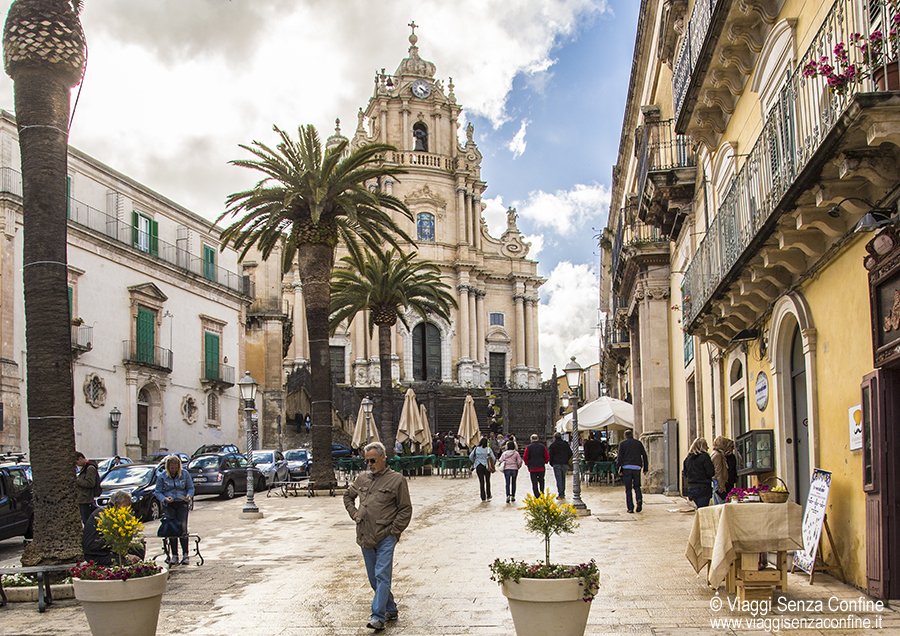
146, 354
692, 44
276, 307
614, 336
666, 175
817, 147
82, 338
213, 371
110, 226
631, 239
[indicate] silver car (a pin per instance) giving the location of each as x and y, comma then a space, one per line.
272, 464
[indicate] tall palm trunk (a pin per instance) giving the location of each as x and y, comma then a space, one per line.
387, 390
43, 53
315, 262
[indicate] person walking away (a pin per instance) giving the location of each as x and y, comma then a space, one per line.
560, 453
536, 457
630, 462
174, 490
87, 486
510, 462
481, 455
721, 446
94, 545
384, 512
698, 473
495, 444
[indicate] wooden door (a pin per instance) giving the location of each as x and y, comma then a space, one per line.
143, 416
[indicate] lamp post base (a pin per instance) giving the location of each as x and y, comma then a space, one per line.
251, 514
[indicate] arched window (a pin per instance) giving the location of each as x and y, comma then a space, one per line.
425, 226
420, 133
212, 407
426, 341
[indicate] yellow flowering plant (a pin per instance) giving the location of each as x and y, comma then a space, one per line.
545, 516
120, 529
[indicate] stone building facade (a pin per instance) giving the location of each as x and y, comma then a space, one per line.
493, 336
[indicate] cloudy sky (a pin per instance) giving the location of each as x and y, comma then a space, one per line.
173, 86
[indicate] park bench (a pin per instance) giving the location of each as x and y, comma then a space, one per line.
191, 537
45, 597
285, 488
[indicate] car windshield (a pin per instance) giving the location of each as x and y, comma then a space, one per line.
127, 476
210, 462
260, 457
295, 456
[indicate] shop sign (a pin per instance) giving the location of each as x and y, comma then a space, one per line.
762, 391
856, 440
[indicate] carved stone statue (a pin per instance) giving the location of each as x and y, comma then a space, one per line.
511, 217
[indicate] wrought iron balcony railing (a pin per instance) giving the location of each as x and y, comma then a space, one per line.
614, 336
123, 232
144, 353
269, 307
215, 371
794, 131
633, 235
82, 337
689, 53
662, 149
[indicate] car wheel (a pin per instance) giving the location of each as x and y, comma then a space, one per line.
29, 532
155, 511
228, 493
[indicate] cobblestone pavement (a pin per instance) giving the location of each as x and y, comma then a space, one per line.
299, 572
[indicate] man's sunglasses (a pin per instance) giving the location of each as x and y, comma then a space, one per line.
371, 461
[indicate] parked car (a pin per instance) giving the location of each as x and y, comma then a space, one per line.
339, 450
106, 464
298, 461
16, 501
156, 458
222, 474
206, 449
273, 465
140, 481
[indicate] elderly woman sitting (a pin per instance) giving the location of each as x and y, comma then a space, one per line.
92, 543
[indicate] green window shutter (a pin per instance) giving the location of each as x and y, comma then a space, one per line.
135, 229
70, 302
154, 238
211, 359
432, 352
145, 336
209, 263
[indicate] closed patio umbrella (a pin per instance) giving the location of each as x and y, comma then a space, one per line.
468, 425
423, 432
409, 418
361, 436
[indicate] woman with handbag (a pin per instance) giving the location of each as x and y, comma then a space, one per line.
174, 490
483, 462
698, 471
510, 462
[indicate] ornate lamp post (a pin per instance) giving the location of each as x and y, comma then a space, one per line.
114, 416
367, 406
248, 387
573, 377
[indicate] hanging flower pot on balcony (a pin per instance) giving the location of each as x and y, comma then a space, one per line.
887, 77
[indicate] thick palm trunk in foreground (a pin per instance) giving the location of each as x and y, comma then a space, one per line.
387, 390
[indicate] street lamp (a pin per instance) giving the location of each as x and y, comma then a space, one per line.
114, 416
248, 386
367, 405
573, 377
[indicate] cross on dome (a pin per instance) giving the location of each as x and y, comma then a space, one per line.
413, 38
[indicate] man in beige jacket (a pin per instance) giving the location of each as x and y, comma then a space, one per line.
383, 514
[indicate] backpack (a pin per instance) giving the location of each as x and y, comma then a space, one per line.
169, 527
96, 490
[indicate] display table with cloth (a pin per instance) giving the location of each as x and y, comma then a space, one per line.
730, 537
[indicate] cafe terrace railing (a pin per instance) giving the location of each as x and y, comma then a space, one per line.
793, 132
123, 232
689, 53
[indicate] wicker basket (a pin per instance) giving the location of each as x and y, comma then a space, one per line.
774, 497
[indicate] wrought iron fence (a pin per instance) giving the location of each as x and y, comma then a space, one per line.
662, 149
633, 234
691, 45
146, 353
795, 127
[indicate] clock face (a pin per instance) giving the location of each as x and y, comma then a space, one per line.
421, 88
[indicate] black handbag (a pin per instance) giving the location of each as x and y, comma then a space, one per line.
169, 527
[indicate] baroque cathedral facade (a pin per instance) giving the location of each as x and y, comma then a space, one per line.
493, 335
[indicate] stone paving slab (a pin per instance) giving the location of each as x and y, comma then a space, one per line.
299, 572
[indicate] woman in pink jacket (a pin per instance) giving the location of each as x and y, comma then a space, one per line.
510, 462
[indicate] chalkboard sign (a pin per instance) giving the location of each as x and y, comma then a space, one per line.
813, 517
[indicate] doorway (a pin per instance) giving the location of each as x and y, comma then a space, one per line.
799, 439
143, 418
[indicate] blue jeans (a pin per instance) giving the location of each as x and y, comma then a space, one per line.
379, 565
179, 510
700, 495
632, 479
511, 475
559, 471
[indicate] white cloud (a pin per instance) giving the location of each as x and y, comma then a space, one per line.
517, 144
172, 87
568, 315
566, 211
537, 244
495, 215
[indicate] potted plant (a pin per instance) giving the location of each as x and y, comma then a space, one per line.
123, 599
547, 599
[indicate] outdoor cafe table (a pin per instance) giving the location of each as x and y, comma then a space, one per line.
721, 534
454, 463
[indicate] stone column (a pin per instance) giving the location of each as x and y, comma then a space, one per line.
473, 323
461, 214
406, 135
529, 326
476, 221
463, 316
469, 236
520, 329
382, 133
480, 330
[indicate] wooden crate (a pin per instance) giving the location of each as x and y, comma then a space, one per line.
754, 591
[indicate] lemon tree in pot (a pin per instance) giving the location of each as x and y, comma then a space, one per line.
547, 599
123, 598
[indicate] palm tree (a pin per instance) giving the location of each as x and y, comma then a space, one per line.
307, 202
385, 282
44, 54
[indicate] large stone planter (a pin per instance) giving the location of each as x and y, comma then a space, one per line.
122, 608
547, 607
